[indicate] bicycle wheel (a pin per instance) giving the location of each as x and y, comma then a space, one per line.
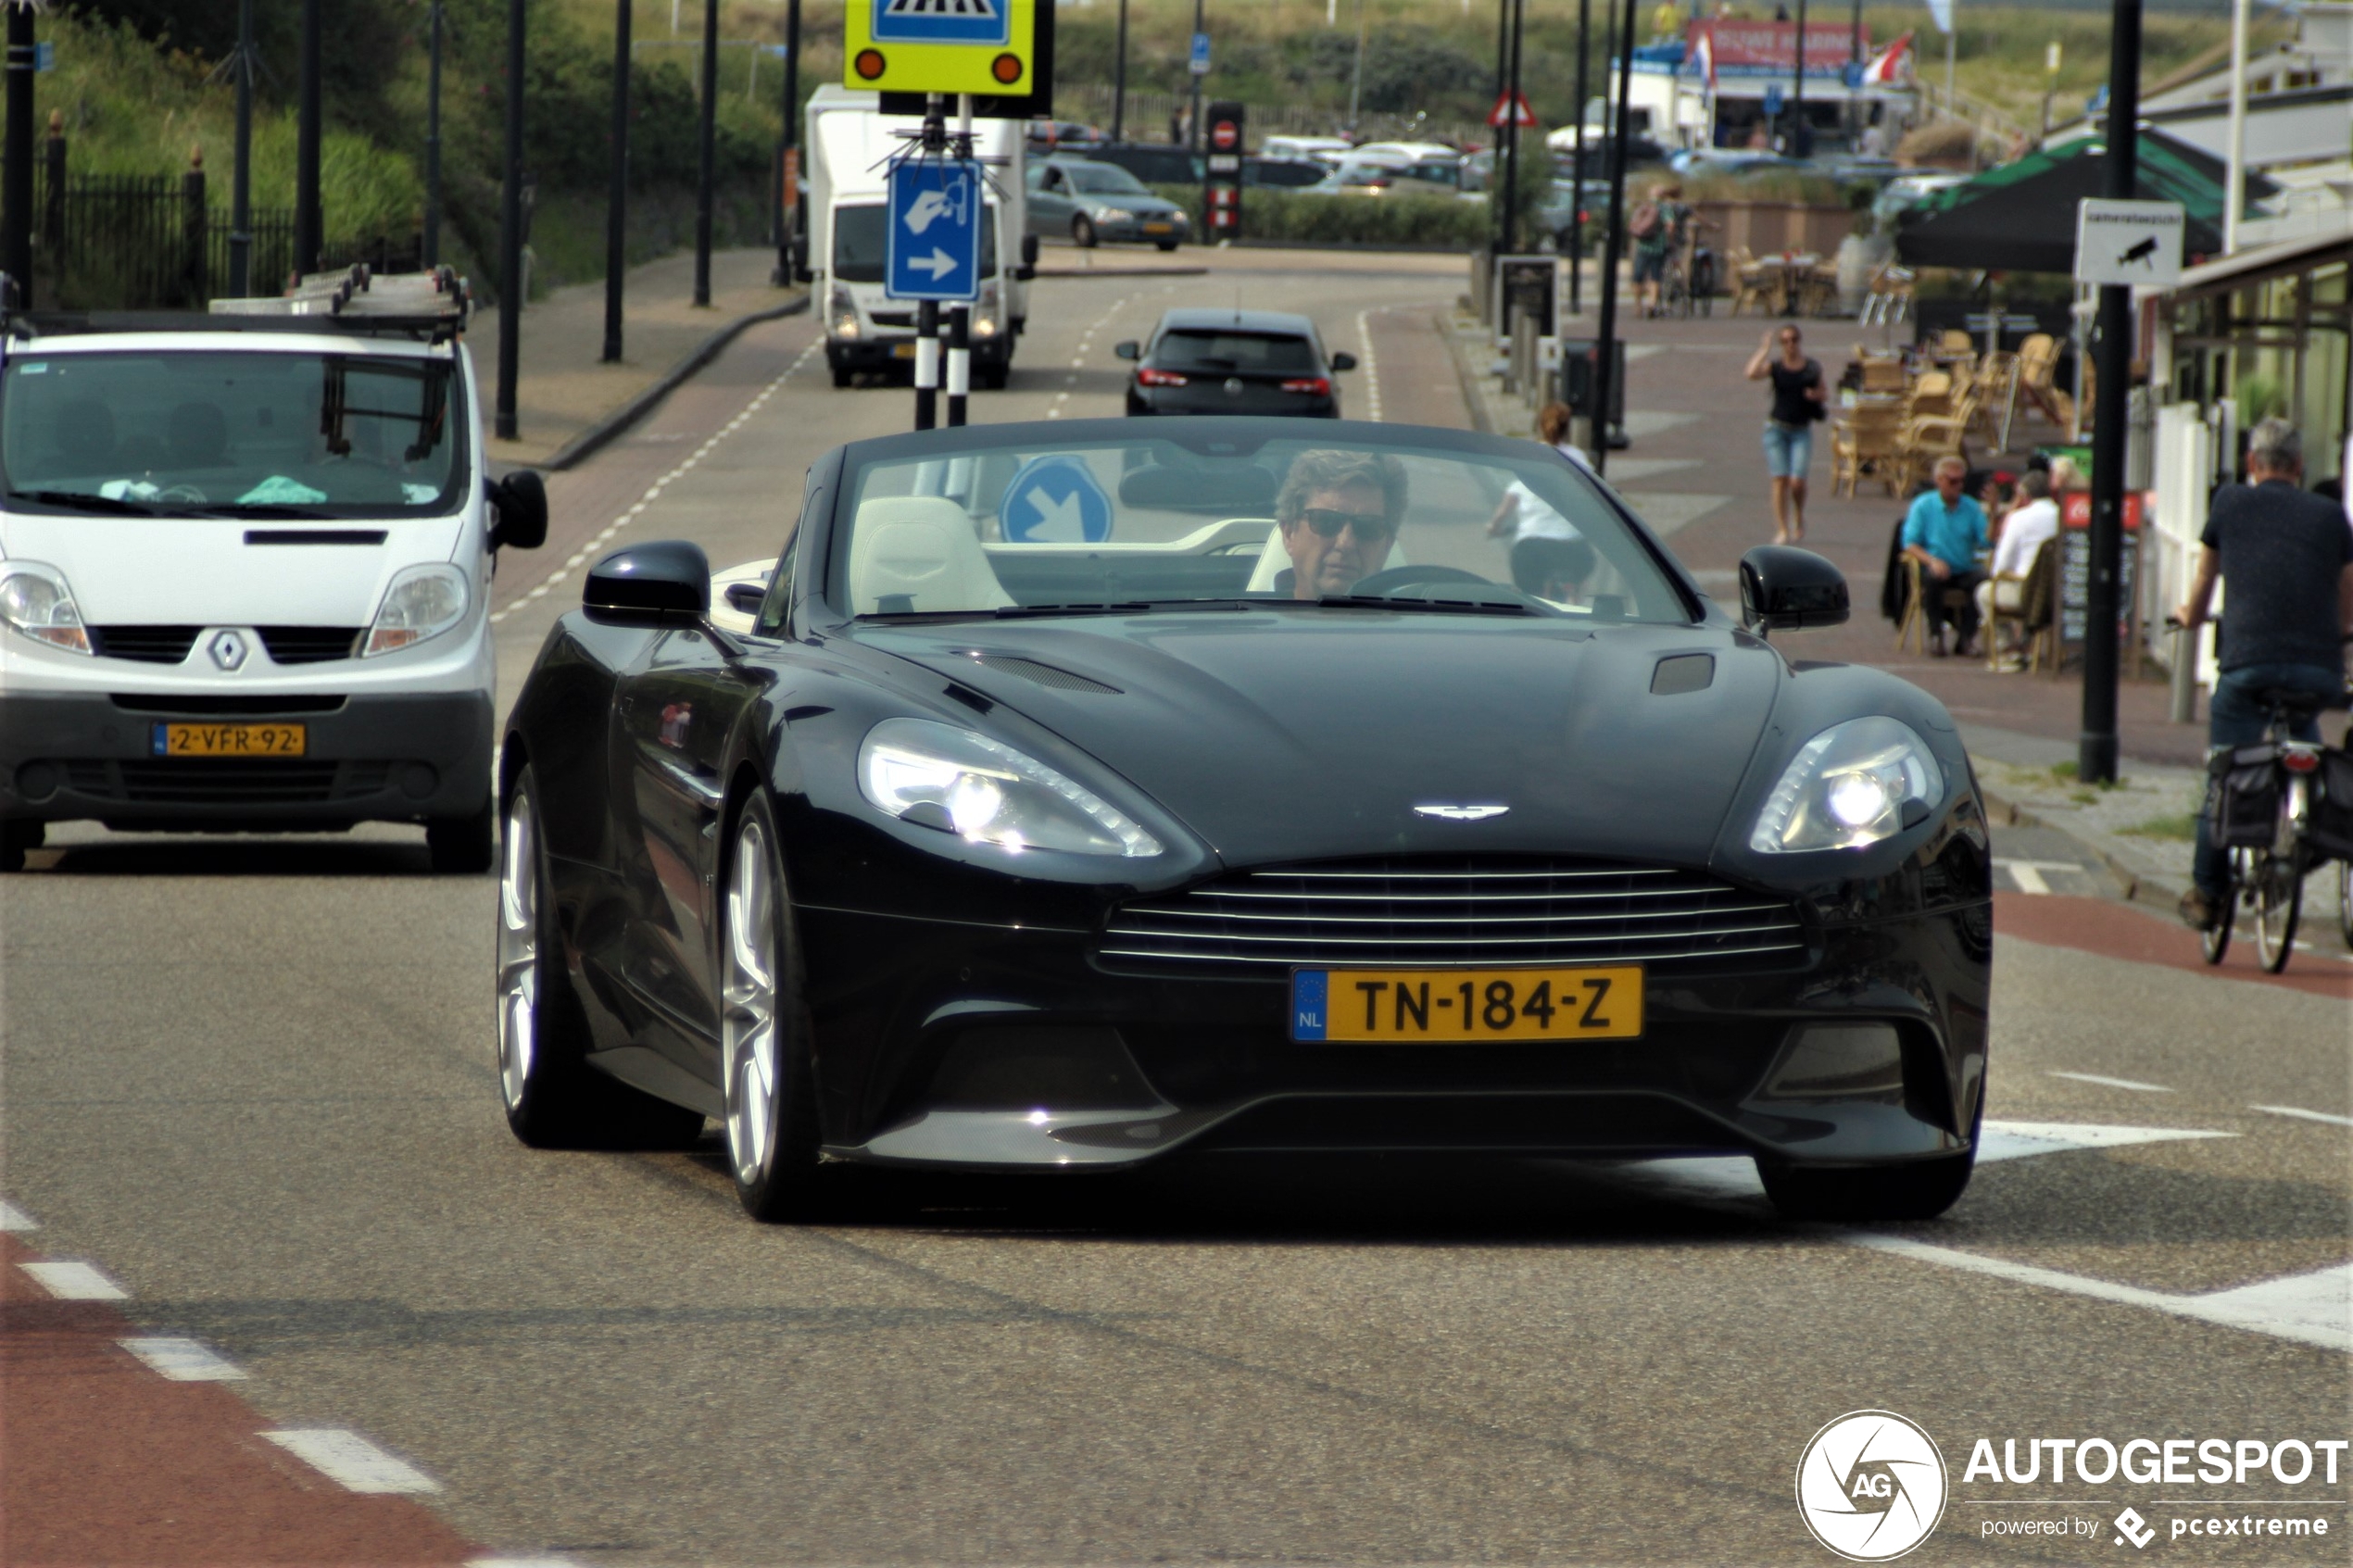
2215, 940
2279, 902
2344, 900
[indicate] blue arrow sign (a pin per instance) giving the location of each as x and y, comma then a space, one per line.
1773, 98
1056, 500
936, 214
1200, 62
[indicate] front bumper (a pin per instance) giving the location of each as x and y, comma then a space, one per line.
1131, 229
989, 1047
392, 757
884, 352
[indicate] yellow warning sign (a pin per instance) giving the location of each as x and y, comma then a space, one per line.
980, 46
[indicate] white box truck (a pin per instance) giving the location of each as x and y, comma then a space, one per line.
850, 144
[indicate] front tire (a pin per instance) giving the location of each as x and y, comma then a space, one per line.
2345, 901
765, 1030
2278, 904
463, 845
553, 1098
1082, 232
2214, 942
1166, 245
1918, 1190
16, 838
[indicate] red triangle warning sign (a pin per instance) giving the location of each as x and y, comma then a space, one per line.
1511, 108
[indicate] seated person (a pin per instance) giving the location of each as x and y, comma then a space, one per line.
1944, 531
2031, 524
1338, 512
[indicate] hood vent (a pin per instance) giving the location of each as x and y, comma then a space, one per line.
1042, 674
1683, 672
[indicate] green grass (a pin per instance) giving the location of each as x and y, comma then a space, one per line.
2181, 827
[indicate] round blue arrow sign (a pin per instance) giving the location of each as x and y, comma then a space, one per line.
1054, 500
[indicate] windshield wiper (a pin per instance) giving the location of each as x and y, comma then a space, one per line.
83, 501
268, 509
1430, 605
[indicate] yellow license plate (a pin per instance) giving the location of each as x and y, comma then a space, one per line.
1466, 1006
1158, 228
231, 740
903, 350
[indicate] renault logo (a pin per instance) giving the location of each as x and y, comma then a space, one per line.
1461, 813
228, 650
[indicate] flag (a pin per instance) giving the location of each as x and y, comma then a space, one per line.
1891, 64
1706, 56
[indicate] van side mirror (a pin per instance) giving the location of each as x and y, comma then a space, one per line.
521, 500
1343, 361
664, 584
1028, 268
1784, 588
1131, 349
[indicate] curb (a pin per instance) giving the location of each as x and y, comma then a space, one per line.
2138, 889
1121, 272
1474, 394
588, 442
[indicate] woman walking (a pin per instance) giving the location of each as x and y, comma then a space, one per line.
1799, 394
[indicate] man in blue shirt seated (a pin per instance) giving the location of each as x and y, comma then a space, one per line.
1944, 531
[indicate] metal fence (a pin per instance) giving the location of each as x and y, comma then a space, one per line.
135, 242
1150, 116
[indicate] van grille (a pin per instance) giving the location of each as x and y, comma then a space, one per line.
308, 645
1458, 911
148, 645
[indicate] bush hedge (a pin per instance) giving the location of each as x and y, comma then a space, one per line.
1314, 218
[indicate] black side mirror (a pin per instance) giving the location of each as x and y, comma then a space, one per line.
521, 500
664, 584
1343, 361
1028, 268
1131, 349
1784, 588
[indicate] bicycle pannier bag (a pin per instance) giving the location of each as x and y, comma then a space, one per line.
2243, 797
2332, 829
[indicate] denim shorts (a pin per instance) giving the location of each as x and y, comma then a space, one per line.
1788, 452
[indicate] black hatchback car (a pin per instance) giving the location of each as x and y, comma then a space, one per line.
1234, 362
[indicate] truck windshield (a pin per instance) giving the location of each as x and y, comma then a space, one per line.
232, 433
861, 232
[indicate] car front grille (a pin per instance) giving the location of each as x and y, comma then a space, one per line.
1451, 911
148, 645
308, 645
191, 782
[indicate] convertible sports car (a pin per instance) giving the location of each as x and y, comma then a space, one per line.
1071, 796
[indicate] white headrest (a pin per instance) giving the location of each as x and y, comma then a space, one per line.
923, 547
1273, 561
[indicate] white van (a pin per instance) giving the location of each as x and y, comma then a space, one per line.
245, 568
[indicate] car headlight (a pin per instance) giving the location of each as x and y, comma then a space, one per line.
960, 782
1849, 786
842, 314
423, 602
35, 601
982, 326
1103, 212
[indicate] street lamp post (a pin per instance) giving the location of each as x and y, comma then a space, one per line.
706, 173
240, 165
16, 177
1511, 134
1797, 91
511, 234
616, 186
1577, 178
1192, 125
432, 139
2095, 755
308, 236
1613, 245
788, 200
1118, 79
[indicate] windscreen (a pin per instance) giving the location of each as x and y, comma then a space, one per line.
1227, 353
1105, 179
1037, 527
861, 234
229, 433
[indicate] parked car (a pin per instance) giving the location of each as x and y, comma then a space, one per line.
1089, 203
1283, 173
1200, 361
1061, 135
1379, 175
1309, 148
1156, 163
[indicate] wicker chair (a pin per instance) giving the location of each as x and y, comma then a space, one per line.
1864, 445
1915, 623
1925, 440
2029, 610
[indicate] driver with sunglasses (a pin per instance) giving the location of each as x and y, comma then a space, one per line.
1339, 513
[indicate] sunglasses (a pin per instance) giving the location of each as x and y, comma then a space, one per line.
1327, 523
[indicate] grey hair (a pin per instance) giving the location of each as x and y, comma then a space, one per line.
1950, 462
2275, 443
1331, 469
2035, 485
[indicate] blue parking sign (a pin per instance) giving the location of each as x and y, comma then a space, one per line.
936, 214
942, 21
1054, 500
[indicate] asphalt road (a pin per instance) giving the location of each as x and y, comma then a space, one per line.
251, 1081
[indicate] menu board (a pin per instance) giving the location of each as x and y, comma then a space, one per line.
2075, 563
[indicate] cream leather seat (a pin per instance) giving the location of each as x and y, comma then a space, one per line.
921, 548
1273, 561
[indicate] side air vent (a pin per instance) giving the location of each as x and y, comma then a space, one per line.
1042, 674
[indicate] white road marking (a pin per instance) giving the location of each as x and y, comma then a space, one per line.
2133, 1083
1370, 366
653, 492
2297, 1111
521, 1562
69, 1280
2028, 874
13, 1219
183, 1361
2315, 1307
352, 1461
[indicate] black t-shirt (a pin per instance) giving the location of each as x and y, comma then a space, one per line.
2283, 551
1791, 405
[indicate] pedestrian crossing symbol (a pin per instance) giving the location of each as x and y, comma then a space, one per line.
984, 48
941, 21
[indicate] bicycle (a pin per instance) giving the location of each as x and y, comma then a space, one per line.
2267, 877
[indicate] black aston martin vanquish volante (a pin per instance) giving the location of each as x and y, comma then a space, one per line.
1074, 794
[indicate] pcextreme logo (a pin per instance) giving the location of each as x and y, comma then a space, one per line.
1870, 1486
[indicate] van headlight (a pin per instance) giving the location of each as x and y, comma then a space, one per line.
1849, 786
959, 781
423, 601
35, 601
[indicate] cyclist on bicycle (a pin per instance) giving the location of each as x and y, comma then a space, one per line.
2288, 558
1657, 227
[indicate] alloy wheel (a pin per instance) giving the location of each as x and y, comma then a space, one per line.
518, 948
748, 1006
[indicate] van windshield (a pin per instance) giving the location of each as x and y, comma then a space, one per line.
860, 234
162, 433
